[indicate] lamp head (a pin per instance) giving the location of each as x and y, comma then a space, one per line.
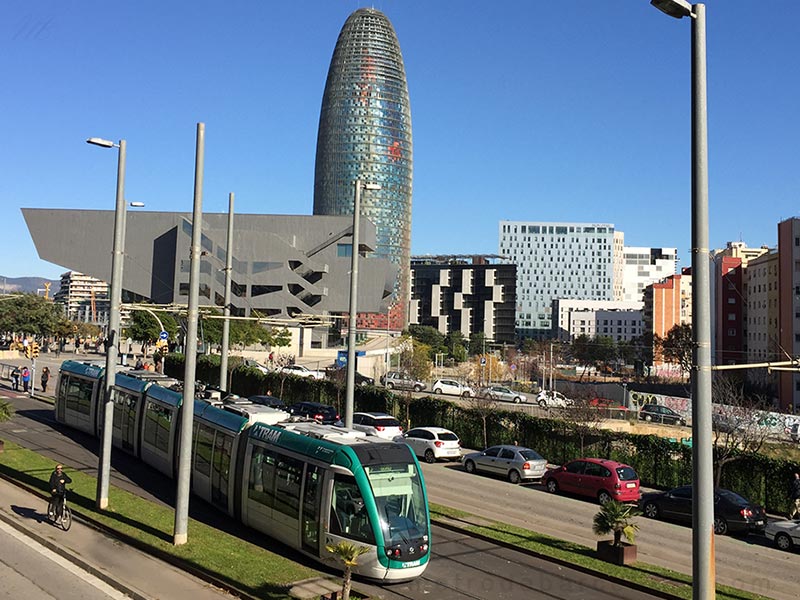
673, 8
137, 204
100, 142
372, 186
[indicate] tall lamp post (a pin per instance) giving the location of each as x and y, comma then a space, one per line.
351, 333
226, 311
112, 338
703, 576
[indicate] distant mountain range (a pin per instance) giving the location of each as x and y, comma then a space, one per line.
28, 285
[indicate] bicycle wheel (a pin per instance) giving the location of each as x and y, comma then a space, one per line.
51, 512
66, 518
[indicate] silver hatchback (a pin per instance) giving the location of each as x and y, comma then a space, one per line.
514, 463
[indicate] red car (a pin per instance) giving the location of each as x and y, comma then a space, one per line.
595, 477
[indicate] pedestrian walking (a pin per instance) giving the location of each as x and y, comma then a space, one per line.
15, 378
26, 378
45, 378
794, 494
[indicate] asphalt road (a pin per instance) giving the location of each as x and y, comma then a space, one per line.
748, 563
462, 567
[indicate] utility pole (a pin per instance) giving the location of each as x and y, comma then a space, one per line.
226, 311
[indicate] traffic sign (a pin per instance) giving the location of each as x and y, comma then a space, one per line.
513, 367
163, 335
483, 361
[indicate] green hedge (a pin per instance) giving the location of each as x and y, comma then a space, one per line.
660, 463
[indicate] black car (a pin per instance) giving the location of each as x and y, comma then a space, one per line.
322, 413
340, 376
660, 414
266, 400
732, 513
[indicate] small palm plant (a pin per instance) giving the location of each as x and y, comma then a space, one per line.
616, 517
6, 412
348, 553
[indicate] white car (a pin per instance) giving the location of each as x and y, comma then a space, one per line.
785, 534
255, 365
432, 443
301, 371
553, 399
452, 388
379, 424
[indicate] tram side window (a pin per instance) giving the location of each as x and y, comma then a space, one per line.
288, 473
348, 516
262, 476
205, 442
78, 396
157, 422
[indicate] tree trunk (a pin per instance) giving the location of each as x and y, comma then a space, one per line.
346, 583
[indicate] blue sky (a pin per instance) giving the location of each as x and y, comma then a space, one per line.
521, 110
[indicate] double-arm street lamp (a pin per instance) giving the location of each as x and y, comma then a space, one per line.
113, 334
703, 579
351, 334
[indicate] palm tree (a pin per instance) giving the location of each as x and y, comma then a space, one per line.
348, 553
616, 517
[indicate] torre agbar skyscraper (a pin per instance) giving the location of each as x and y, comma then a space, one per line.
365, 134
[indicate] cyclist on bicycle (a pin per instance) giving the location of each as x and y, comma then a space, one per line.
58, 488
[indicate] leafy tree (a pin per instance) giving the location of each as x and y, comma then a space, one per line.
31, 314
144, 326
477, 344
348, 553
429, 336
677, 347
415, 363
457, 346
617, 518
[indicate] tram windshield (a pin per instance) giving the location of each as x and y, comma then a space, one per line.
400, 501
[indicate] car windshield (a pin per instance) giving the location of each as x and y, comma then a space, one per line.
528, 454
400, 502
626, 473
448, 436
732, 497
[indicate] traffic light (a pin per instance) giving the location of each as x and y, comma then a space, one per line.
35, 350
28, 351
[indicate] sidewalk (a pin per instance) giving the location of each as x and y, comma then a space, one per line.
130, 571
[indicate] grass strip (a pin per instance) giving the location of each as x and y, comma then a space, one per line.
246, 566
650, 576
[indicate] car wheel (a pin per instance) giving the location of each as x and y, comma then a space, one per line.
542, 404
604, 497
469, 466
783, 541
720, 526
651, 510
513, 477
683, 422
417, 388
552, 486
437, 391
467, 395
390, 386
648, 418
517, 399
430, 457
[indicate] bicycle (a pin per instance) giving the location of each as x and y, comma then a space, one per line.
66, 514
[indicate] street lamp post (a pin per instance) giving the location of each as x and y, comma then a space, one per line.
703, 578
351, 332
104, 469
226, 311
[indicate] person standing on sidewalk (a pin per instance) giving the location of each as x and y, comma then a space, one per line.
45, 378
794, 494
26, 379
15, 379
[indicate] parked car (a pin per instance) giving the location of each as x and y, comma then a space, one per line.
595, 477
432, 443
500, 392
247, 362
301, 371
322, 413
515, 463
376, 423
732, 513
784, 534
553, 399
266, 400
452, 388
400, 381
794, 432
660, 414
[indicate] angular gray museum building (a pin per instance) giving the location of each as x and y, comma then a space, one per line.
365, 134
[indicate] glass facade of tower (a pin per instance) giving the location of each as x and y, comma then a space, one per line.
365, 134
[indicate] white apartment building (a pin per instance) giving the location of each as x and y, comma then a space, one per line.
558, 260
84, 298
761, 293
620, 321
643, 266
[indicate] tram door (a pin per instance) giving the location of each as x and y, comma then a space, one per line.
221, 469
312, 492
